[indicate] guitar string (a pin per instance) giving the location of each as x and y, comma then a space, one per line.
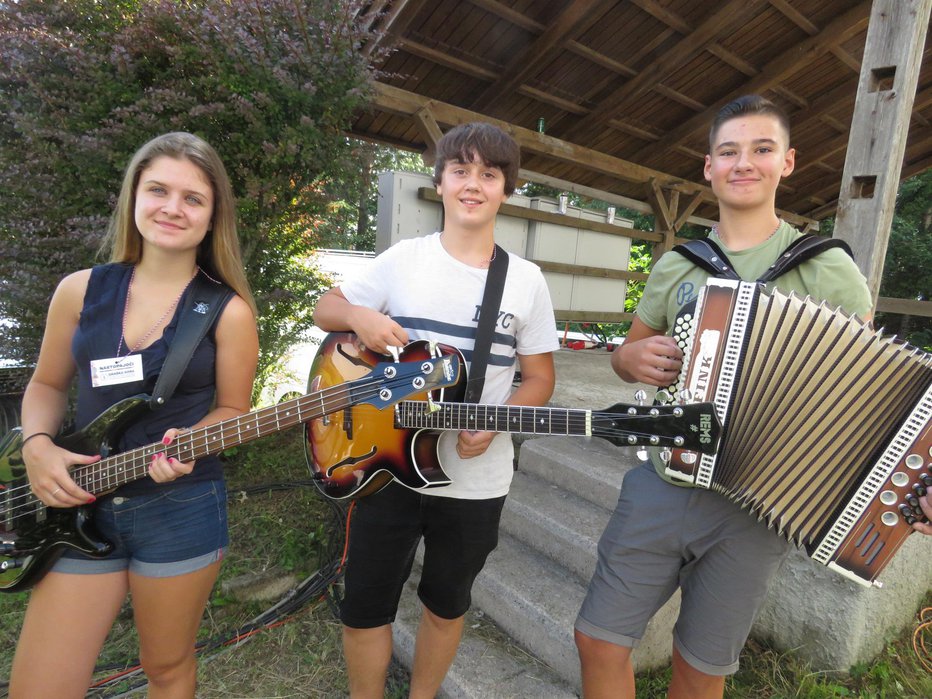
272, 416
140, 457
573, 417
264, 419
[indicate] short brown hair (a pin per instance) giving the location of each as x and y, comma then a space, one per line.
489, 143
748, 105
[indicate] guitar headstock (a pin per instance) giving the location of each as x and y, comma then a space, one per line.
692, 426
390, 382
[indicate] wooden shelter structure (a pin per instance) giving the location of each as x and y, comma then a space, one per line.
612, 98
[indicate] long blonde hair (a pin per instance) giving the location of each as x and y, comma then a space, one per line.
219, 253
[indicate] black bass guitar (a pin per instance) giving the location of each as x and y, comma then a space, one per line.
33, 536
359, 450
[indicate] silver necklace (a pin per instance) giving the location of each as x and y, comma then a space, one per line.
715, 231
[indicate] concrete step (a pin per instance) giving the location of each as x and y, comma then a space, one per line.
534, 601
589, 467
488, 664
554, 521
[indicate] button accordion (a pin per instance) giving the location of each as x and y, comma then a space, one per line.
826, 423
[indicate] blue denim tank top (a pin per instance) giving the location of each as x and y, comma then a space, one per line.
97, 337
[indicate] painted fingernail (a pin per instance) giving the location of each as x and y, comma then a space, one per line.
166, 440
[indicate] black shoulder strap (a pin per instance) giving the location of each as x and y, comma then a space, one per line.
488, 313
708, 256
204, 302
801, 250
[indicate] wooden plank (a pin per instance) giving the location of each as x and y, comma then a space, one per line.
907, 307
586, 271
838, 30
886, 90
428, 194
399, 101
592, 316
574, 19
728, 16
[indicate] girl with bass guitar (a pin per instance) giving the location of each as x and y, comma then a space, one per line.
110, 328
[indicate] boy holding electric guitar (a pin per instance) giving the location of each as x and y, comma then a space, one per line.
435, 288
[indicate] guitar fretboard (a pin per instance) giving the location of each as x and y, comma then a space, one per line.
125, 467
494, 418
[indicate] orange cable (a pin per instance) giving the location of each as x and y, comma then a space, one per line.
919, 642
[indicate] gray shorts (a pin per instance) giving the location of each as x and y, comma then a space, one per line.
663, 536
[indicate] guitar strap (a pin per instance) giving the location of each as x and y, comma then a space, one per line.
204, 302
488, 314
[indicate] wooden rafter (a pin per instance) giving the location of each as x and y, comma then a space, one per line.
840, 29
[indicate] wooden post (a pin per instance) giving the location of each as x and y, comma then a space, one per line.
886, 91
665, 217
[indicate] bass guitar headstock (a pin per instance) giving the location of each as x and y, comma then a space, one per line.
390, 382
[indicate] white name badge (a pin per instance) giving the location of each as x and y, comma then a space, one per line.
108, 372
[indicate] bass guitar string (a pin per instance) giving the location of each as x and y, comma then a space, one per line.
20, 497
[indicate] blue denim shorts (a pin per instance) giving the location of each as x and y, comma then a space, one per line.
177, 530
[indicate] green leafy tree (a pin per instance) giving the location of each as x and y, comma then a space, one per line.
907, 271
271, 84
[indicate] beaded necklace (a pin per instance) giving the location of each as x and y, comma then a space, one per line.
158, 323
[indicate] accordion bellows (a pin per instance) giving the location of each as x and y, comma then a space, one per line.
826, 422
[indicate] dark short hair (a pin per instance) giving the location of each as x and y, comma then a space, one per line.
748, 105
493, 146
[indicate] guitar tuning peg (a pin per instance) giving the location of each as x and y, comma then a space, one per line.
392, 350
640, 396
642, 455
666, 455
685, 396
433, 349
431, 406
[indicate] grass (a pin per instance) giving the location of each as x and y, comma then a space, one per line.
291, 530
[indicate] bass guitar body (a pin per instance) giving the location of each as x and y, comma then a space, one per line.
357, 451
33, 536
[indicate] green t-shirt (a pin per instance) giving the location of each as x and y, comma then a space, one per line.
831, 276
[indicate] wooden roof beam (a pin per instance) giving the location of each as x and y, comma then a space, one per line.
838, 30
721, 22
509, 15
446, 59
576, 18
399, 101
392, 26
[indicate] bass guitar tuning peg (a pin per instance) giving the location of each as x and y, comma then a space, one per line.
640, 396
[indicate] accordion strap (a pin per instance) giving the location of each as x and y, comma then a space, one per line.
801, 250
706, 255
